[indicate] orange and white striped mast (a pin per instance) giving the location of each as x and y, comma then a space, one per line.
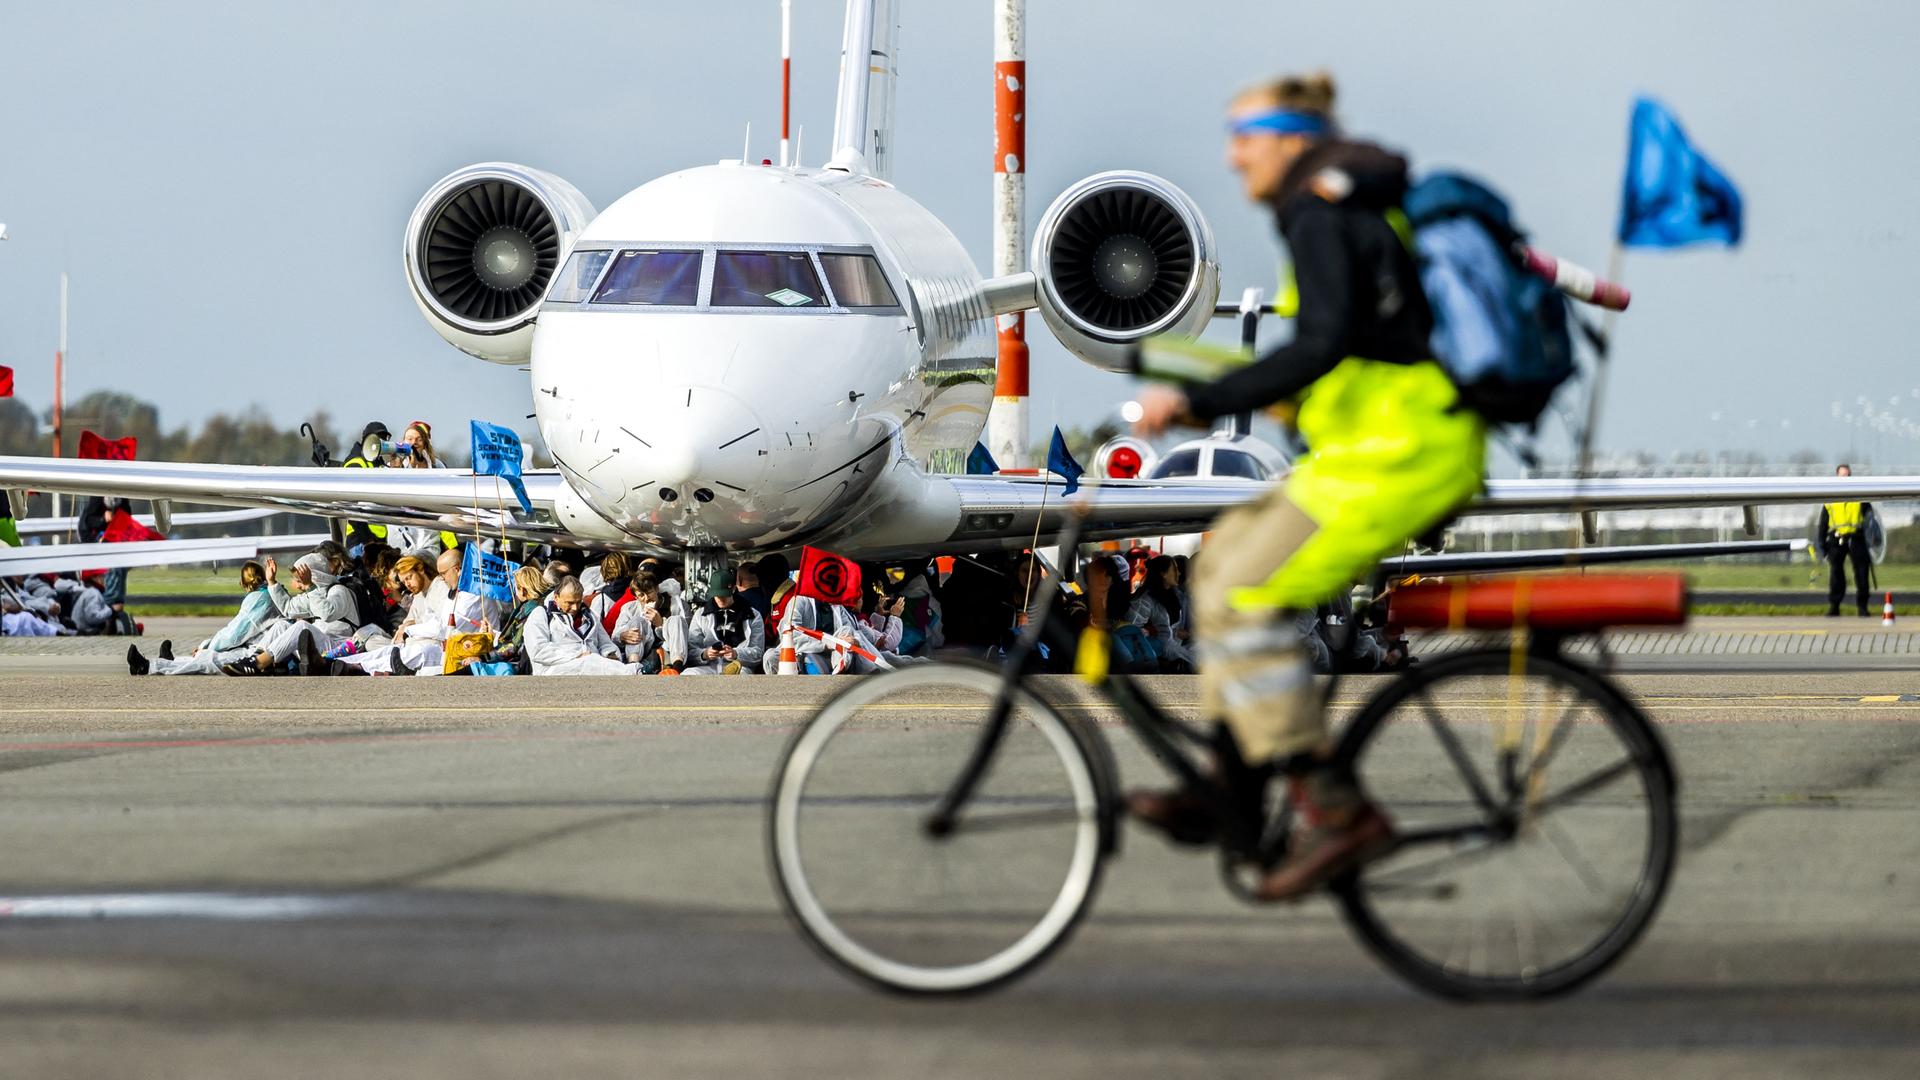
1007, 422
786, 77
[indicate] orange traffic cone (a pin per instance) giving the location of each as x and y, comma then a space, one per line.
1886, 611
789, 660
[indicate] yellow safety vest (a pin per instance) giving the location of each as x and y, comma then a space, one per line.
1844, 518
358, 462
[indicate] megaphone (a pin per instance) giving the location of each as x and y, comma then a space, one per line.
373, 446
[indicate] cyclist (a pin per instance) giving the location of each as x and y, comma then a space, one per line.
1392, 454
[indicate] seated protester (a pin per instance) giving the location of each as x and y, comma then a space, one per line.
880, 633
921, 614
233, 640
87, 606
321, 614
594, 577
1104, 581
563, 637
418, 641
747, 590
509, 643
19, 617
1156, 610
36, 594
808, 613
607, 598
724, 637
776, 580
641, 629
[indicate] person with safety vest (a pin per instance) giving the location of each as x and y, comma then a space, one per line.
1393, 453
1843, 539
359, 532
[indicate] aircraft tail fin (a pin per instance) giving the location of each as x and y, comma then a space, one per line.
863, 105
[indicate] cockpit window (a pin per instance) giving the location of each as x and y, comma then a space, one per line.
778, 279
575, 280
858, 284
1177, 464
1236, 463
666, 278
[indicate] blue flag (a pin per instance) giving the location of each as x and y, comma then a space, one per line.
981, 463
1673, 195
1060, 461
486, 574
496, 452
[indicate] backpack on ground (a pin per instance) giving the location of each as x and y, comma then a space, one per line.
1501, 332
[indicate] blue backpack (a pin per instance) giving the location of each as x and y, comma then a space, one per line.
1500, 331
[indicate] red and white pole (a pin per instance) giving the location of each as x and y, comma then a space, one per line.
1007, 422
59, 379
786, 77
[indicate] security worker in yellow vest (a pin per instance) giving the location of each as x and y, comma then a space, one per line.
1843, 538
360, 459
1393, 454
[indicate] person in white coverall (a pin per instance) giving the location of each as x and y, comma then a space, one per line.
419, 642
563, 637
247, 626
323, 613
724, 637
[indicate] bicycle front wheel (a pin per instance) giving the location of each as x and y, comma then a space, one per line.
1537, 829
916, 908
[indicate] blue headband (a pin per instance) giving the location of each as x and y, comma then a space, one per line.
1280, 122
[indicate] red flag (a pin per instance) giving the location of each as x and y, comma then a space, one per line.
6, 381
94, 447
122, 528
828, 577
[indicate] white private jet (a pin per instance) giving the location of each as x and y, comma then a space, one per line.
739, 358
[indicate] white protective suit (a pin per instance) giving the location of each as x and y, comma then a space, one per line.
559, 645
423, 647
705, 630
239, 638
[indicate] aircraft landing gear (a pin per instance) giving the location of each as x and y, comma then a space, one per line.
700, 562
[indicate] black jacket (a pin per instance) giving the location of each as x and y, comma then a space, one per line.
1359, 288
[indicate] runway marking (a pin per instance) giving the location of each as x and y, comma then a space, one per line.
1658, 701
184, 905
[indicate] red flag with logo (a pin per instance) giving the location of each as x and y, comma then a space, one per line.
825, 576
96, 448
6, 381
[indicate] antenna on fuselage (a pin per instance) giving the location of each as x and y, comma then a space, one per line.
746, 145
799, 134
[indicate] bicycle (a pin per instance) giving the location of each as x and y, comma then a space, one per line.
951, 762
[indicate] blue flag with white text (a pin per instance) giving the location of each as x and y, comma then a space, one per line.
1059, 460
487, 574
980, 462
1673, 195
496, 452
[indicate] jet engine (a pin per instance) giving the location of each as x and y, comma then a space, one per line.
1120, 257
483, 244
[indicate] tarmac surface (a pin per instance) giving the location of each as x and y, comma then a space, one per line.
214, 877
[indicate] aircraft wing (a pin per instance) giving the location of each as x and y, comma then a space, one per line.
1662, 492
55, 526
438, 498
1004, 511
1495, 562
73, 558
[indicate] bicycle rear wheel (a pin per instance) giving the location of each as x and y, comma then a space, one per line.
918, 910
1537, 827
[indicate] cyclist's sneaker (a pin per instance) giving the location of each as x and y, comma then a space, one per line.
1182, 814
1340, 830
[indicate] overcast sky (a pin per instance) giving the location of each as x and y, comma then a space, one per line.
227, 183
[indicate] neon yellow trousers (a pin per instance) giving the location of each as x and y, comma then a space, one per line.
1391, 458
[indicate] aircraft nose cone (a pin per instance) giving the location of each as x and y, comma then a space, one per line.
674, 462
